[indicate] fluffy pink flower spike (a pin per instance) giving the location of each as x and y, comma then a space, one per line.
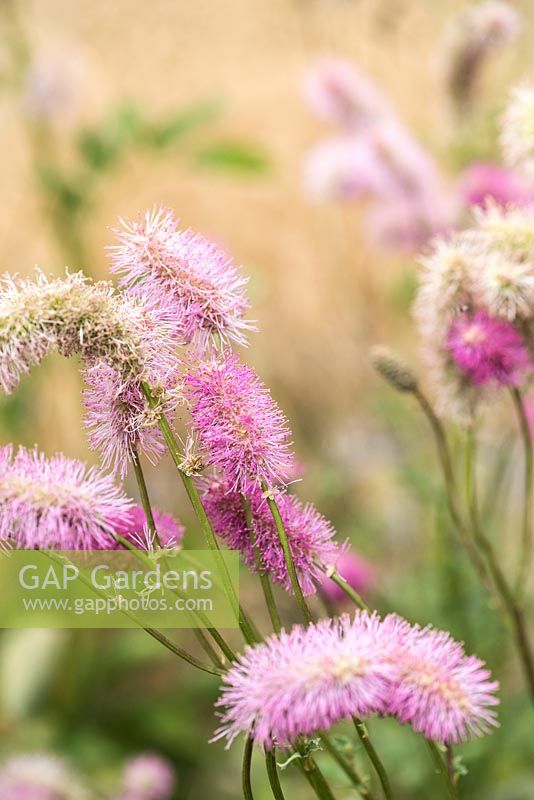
240, 428
186, 274
488, 350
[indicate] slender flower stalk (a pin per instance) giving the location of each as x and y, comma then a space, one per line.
374, 758
245, 770
290, 564
264, 578
351, 773
316, 779
525, 552
442, 770
156, 540
504, 592
345, 587
247, 629
272, 774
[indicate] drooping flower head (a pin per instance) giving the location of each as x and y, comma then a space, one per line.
310, 535
119, 419
148, 777
134, 527
439, 690
356, 570
488, 350
39, 777
57, 503
301, 682
517, 134
241, 430
74, 316
185, 273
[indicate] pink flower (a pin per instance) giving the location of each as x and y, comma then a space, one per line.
345, 168
119, 419
241, 430
310, 535
298, 683
488, 350
304, 681
134, 527
186, 274
482, 182
338, 92
57, 503
36, 776
357, 572
442, 693
148, 777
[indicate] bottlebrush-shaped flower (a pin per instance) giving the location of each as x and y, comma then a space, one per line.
241, 430
185, 273
57, 503
439, 690
302, 682
74, 316
310, 535
298, 683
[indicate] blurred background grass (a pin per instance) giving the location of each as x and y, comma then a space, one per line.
197, 105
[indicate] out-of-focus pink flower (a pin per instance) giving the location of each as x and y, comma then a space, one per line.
345, 168
483, 182
488, 350
338, 92
357, 572
39, 776
53, 86
134, 527
148, 777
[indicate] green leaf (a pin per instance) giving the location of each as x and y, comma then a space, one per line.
164, 133
233, 156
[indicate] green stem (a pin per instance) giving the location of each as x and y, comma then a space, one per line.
373, 757
264, 578
290, 564
349, 591
245, 771
272, 774
145, 499
250, 634
525, 554
316, 779
442, 770
160, 637
504, 592
356, 780
203, 619
149, 514
450, 487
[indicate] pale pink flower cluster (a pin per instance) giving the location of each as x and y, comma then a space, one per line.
305, 681
374, 157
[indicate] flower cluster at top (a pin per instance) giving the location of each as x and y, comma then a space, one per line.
475, 309
303, 682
